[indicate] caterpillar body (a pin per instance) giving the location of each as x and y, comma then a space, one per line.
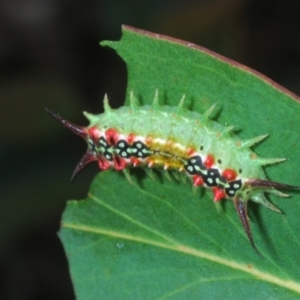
176, 138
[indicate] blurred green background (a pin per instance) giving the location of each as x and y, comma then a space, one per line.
50, 57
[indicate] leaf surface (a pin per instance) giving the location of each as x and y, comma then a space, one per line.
156, 239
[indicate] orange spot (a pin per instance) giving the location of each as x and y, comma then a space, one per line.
111, 136
229, 174
238, 143
150, 163
169, 143
130, 138
253, 156
149, 139
190, 151
219, 194
209, 161
135, 161
198, 180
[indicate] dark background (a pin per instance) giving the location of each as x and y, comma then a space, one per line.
50, 57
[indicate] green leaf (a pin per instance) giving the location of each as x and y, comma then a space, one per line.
156, 239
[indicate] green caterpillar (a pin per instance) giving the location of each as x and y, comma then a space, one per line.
176, 138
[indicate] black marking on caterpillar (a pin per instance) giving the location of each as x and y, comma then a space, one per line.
130, 137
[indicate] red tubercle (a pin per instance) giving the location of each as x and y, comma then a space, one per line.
219, 194
94, 133
119, 163
229, 174
135, 161
111, 136
130, 138
209, 161
103, 163
190, 151
197, 180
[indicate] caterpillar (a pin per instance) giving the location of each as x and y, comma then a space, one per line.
165, 137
